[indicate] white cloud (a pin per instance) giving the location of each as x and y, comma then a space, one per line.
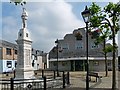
47, 21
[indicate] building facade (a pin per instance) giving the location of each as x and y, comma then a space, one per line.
9, 53
39, 59
72, 53
8, 56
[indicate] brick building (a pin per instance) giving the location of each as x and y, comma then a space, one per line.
8, 57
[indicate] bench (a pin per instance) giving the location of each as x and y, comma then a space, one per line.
93, 74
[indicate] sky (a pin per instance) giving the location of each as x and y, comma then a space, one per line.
47, 21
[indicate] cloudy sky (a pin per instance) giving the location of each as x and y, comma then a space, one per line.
47, 21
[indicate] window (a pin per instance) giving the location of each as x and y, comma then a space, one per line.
15, 63
54, 63
35, 57
64, 63
109, 63
8, 51
65, 46
37, 51
94, 46
9, 64
79, 45
96, 63
15, 51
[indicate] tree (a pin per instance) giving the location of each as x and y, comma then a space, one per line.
107, 19
100, 37
17, 2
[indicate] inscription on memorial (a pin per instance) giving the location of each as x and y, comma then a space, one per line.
27, 55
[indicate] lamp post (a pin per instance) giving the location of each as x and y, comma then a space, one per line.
86, 17
57, 57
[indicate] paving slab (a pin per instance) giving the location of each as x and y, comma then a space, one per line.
78, 80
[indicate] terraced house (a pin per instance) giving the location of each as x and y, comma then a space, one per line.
72, 53
8, 56
9, 53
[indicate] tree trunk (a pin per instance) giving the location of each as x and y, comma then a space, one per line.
114, 67
114, 57
106, 62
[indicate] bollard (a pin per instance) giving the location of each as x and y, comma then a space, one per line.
44, 77
68, 78
54, 75
63, 79
12, 84
7, 74
35, 73
14, 73
42, 73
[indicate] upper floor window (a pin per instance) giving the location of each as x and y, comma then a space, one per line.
35, 57
65, 46
78, 45
8, 51
94, 46
15, 51
37, 51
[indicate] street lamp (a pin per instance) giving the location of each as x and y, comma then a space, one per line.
86, 17
57, 57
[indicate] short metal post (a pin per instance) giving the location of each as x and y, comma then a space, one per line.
42, 73
63, 79
44, 77
14, 74
68, 78
12, 83
7, 74
54, 75
35, 73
